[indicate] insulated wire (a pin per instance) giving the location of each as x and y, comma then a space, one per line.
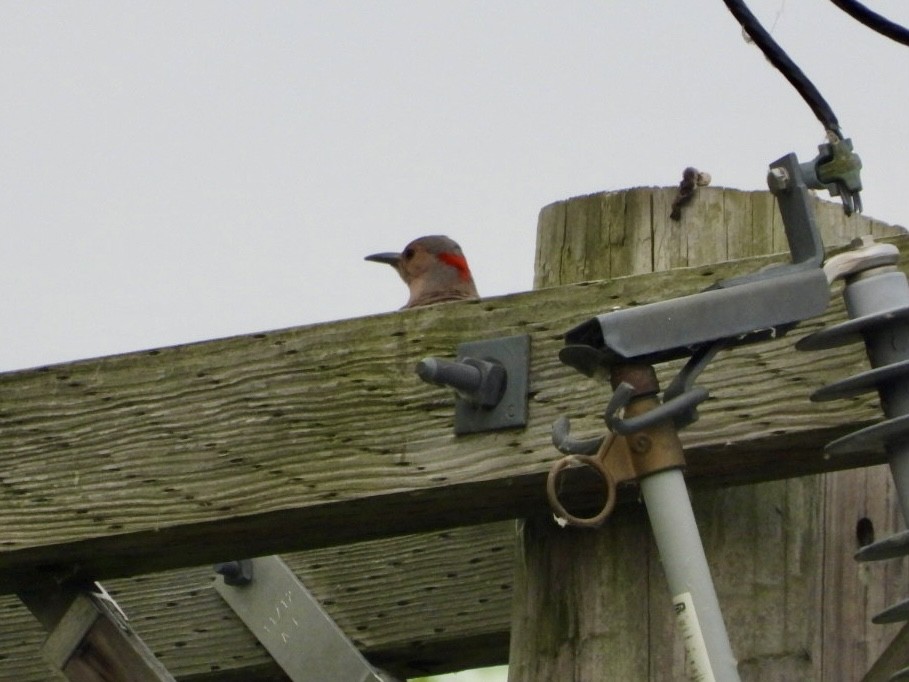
873, 20
786, 66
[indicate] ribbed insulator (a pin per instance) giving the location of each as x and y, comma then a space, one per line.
878, 303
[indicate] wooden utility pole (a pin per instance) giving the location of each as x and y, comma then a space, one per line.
141, 470
593, 605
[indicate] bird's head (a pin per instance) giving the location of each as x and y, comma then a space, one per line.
433, 268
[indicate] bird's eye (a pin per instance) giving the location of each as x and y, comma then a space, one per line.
408, 254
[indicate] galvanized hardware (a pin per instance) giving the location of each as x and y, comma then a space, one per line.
837, 169
680, 400
236, 573
666, 330
294, 628
877, 302
478, 382
622, 345
620, 457
653, 456
598, 463
565, 443
683, 404
490, 379
736, 311
778, 179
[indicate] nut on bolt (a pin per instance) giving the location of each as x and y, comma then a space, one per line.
778, 179
479, 382
236, 573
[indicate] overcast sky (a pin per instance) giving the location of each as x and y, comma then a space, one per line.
178, 171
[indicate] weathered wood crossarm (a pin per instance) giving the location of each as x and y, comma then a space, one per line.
323, 435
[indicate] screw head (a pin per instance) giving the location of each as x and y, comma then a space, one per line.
640, 444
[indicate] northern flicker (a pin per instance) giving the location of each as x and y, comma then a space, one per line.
434, 269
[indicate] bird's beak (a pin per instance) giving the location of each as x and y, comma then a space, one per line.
390, 258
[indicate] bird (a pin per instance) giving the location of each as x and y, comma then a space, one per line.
434, 269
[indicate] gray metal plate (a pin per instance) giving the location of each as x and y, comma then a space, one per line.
746, 313
513, 353
292, 626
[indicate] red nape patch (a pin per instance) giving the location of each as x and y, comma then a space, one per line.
456, 261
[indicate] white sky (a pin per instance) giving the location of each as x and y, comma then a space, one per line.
177, 171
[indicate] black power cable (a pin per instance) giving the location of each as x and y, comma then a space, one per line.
873, 20
786, 66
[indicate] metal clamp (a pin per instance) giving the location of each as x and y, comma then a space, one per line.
747, 309
837, 169
619, 457
683, 404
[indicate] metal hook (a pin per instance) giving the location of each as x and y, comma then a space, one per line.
681, 406
681, 398
838, 169
565, 443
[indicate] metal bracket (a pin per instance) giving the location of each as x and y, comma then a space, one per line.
294, 628
837, 169
618, 458
735, 311
491, 379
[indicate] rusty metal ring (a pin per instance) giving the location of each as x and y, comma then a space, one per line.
596, 463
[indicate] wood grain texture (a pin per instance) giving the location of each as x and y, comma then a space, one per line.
892, 660
266, 389
793, 604
764, 544
854, 592
418, 604
154, 460
613, 234
578, 605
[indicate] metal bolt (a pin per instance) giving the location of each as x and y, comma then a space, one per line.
640, 444
459, 376
479, 382
236, 573
778, 179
